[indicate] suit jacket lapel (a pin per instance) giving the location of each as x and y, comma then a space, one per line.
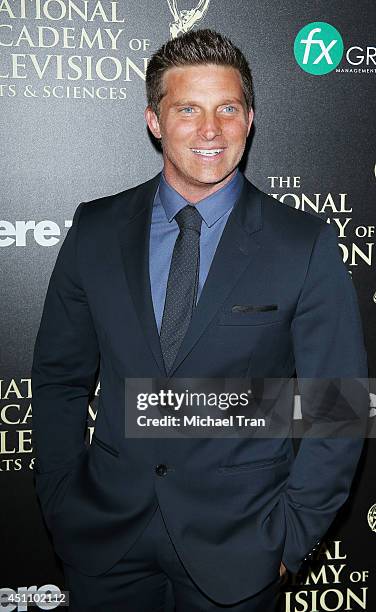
134, 233
235, 250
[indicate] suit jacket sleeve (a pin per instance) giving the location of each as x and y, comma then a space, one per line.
64, 369
328, 344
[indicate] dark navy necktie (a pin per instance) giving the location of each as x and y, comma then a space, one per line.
182, 283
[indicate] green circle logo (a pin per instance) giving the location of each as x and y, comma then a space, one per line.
318, 48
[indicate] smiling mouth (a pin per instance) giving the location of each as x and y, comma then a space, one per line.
208, 152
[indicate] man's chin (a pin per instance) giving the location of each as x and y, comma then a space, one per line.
209, 179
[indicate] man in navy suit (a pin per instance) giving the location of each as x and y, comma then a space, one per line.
193, 274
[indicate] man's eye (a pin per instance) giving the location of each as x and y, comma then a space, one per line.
229, 109
187, 110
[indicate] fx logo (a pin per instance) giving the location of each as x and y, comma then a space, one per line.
318, 48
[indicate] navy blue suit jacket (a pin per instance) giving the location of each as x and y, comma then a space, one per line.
231, 527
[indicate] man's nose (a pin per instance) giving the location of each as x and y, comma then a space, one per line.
210, 126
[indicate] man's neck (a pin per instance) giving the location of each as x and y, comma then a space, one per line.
194, 193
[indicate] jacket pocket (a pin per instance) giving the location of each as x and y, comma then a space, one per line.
248, 314
251, 308
252, 465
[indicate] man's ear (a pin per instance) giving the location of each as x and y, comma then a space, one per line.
250, 120
152, 122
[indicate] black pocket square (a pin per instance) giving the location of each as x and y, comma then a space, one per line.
251, 308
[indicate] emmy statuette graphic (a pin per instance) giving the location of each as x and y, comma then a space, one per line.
185, 20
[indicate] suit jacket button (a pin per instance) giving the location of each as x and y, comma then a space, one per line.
161, 469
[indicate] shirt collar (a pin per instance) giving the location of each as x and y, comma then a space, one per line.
211, 208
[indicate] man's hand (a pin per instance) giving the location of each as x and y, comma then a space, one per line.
282, 569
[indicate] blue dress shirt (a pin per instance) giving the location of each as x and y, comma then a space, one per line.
215, 210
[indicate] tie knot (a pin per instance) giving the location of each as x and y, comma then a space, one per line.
189, 218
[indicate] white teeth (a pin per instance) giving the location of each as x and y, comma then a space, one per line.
209, 152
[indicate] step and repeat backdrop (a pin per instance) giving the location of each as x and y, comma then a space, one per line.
72, 96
